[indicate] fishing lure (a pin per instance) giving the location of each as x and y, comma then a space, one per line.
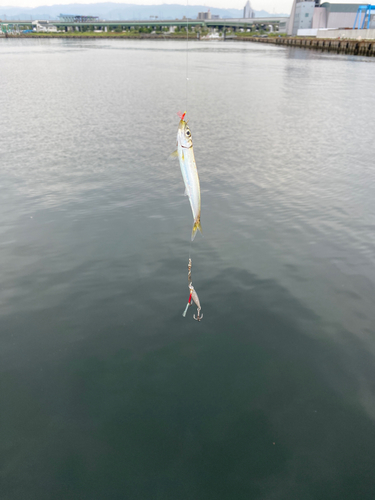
193, 296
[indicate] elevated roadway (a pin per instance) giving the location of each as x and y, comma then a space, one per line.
245, 23
209, 23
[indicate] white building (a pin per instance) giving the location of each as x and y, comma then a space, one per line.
303, 18
43, 26
248, 11
301, 15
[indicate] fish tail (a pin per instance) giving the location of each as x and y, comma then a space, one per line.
197, 225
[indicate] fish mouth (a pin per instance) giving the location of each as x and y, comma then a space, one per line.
186, 147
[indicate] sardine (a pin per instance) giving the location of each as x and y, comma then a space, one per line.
189, 172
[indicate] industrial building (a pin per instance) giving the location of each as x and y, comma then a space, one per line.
314, 15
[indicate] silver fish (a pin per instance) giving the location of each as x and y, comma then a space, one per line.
185, 153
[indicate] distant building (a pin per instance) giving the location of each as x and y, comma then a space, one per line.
39, 25
303, 15
248, 11
69, 18
311, 14
204, 15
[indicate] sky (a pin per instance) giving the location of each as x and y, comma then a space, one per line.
279, 6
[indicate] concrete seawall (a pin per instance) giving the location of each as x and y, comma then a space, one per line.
355, 34
354, 47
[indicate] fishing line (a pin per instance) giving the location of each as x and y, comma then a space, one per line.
187, 51
187, 73
193, 297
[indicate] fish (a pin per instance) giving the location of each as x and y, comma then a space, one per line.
185, 154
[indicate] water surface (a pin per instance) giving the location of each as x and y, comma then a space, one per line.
105, 390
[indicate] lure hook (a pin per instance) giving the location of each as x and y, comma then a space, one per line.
198, 318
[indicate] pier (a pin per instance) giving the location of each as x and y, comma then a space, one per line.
354, 47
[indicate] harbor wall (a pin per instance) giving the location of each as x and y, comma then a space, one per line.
354, 47
347, 34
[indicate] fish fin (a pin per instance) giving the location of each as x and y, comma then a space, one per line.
197, 225
174, 154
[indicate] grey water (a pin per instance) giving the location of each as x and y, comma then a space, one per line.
106, 391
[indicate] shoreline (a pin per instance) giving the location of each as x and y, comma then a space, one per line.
123, 36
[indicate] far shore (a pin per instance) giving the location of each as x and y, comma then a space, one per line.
134, 35
88, 34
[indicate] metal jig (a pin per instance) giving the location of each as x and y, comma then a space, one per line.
192, 297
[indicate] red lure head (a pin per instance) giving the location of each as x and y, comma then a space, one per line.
181, 115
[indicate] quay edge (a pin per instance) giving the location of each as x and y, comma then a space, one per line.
354, 47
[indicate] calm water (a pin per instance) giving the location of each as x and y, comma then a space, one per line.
106, 392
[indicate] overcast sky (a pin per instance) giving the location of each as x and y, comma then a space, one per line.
282, 6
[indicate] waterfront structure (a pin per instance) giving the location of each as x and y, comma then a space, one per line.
326, 42
314, 15
248, 12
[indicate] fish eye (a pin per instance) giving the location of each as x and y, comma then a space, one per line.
188, 133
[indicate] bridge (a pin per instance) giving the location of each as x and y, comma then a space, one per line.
243, 23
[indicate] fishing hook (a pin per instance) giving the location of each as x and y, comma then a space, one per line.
198, 318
